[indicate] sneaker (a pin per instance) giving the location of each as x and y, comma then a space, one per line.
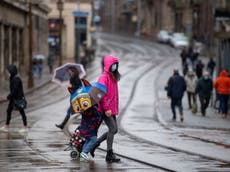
24, 130
4, 129
84, 157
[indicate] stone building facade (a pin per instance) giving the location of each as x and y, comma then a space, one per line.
14, 33
74, 12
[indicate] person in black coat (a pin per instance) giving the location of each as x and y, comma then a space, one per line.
175, 91
16, 93
204, 90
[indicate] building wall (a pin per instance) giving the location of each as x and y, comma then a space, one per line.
68, 33
14, 34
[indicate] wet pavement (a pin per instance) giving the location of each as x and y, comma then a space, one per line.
147, 140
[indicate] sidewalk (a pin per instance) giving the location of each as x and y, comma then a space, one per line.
4, 87
212, 120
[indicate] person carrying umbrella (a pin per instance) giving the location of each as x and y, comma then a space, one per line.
75, 83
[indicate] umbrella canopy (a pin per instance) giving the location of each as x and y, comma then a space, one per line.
61, 75
39, 57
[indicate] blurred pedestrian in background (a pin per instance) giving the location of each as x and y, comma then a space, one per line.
175, 91
222, 84
40, 68
211, 66
199, 68
191, 82
204, 90
50, 62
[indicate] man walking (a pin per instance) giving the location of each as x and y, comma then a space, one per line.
175, 90
204, 90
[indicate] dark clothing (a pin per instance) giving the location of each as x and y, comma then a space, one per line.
16, 88
204, 101
204, 90
199, 70
90, 122
204, 87
176, 102
16, 93
211, 65
224, 103
183, 56
75, 83
176, 86
9, 112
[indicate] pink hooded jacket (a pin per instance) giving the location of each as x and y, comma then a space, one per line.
110, 100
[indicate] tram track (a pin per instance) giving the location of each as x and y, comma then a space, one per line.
122, 131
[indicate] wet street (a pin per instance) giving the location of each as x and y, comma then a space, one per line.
147, 140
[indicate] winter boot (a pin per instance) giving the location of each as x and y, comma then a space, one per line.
62, 125
111, 157
97, 144
181, 117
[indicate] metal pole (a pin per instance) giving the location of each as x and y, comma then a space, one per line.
138, 18
78, 34
113, 16
60, 37
30, 78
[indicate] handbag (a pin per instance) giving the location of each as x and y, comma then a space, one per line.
20, 103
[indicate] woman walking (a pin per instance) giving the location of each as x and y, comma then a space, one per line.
108, 106
16, 95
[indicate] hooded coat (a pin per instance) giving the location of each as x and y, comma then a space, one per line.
111, 100
16, 88
222, 83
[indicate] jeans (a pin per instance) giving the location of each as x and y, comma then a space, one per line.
176, 102
111, 123
224, 103
89, 143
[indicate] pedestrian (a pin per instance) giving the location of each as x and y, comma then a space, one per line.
199, 69
191, 82
40, 68
35, 66
204, 90
222, 84
183, 56
211, 66
75, 83
16, 98
108, 106
175, 91
50, 62
90, 122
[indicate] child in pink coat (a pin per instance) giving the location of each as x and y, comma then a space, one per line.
108, 106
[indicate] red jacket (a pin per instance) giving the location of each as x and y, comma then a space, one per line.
222, 83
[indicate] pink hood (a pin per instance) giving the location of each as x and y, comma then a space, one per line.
111, 100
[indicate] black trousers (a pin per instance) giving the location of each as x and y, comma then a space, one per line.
9, 113
204, 101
